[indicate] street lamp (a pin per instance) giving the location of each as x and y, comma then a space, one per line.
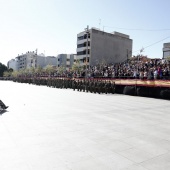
127, 55
87, 31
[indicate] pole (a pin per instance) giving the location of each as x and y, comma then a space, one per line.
87, 31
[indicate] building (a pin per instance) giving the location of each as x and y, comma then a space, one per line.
99, 47
50, 60
26, 60
166, 50
42, 61
31, 59
65, 60
12, 64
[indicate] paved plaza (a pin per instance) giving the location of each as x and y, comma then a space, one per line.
61, 129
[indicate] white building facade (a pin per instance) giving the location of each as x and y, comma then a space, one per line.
31, 59
12, 64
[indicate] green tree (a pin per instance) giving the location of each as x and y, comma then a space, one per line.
2, 69
77, 67
15, 74
32, 70
21, 72
61, 69
38, 70
168, 58
8, 73
10, 70
49, 69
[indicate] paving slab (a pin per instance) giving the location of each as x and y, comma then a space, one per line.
47, 128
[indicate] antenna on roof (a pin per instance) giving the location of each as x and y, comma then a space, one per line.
99, 23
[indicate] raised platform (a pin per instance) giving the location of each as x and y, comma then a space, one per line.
139, 82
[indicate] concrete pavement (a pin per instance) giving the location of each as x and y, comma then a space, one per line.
46, 128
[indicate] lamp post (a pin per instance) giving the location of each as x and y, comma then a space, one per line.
141, 50
87, 32
127, 55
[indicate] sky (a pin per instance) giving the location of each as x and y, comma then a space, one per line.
51, 26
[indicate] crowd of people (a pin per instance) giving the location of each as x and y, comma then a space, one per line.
145, 69
139, 69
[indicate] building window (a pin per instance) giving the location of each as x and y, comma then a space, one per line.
83, 45
85, 36
80, 38
84, 59
81, 52
80, 45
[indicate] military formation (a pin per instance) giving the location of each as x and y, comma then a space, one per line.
82, 85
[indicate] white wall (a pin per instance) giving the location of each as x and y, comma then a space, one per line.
12, 64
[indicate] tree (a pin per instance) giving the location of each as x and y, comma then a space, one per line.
10, 70
61, 69
15, 74
21, 72
77, 67
2, 69
32, 70
168, 58
38, 70
49, 69
8, 73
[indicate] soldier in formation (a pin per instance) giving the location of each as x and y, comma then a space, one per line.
85, 85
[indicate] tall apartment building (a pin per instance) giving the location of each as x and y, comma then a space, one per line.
101, 47
166, 50
65, 60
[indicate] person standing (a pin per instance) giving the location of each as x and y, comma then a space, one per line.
2, 105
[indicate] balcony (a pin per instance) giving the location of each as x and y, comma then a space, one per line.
82, 41
82, 49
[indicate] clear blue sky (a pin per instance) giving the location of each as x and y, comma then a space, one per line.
52, 25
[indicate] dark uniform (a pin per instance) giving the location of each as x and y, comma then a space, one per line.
2, 105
